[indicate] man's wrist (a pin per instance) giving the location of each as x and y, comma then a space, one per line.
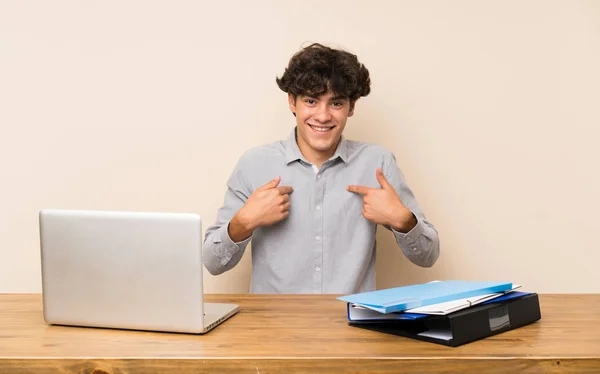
405, 222
239, 228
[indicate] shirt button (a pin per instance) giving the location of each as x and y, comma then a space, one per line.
318, 238
318, 207
317, 268
319, 176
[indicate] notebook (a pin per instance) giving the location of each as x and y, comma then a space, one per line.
357, 313
419, 295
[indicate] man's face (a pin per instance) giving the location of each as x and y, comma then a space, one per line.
320, 121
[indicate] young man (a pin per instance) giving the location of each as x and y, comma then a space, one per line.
311, 203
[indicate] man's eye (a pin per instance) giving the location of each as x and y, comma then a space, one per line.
310, 101
338, 104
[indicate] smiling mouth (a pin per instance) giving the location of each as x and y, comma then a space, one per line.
321, 129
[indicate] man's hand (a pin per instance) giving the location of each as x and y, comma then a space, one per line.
267, 205
383, 206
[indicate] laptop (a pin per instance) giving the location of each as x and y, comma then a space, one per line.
125, 270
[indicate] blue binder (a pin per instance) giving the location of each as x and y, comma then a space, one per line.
401, 298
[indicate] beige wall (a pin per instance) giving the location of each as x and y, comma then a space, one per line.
491, 107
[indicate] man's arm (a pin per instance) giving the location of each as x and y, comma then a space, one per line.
395, 207
220, 251
241, 214
418, 238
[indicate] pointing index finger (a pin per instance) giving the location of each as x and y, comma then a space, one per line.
358, 189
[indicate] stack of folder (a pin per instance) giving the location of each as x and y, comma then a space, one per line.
451, 313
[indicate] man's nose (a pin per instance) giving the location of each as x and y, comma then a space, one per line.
322, 114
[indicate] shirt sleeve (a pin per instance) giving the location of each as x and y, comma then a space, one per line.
219, 252
421, 245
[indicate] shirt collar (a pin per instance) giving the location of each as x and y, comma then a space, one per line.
292, 151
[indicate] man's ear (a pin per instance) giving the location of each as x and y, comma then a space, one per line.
292, 103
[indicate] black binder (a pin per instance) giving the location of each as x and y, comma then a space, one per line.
464, 326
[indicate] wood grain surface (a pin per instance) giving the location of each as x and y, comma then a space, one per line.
296, 334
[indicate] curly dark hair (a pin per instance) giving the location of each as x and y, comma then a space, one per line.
317, 69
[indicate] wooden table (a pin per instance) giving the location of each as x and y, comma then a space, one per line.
296, 334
